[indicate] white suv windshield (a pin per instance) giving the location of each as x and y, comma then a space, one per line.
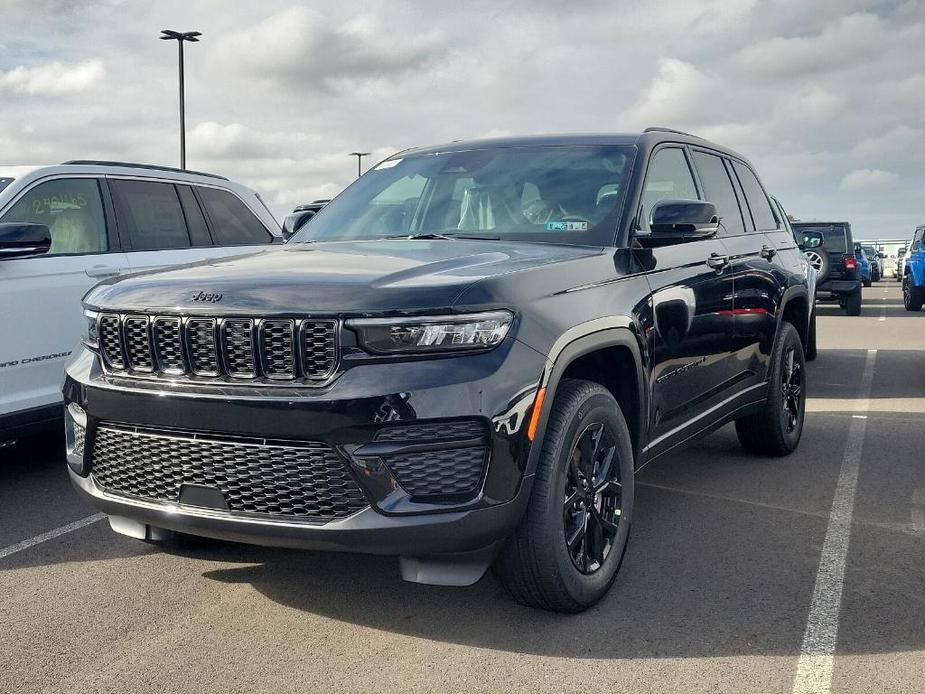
562, 194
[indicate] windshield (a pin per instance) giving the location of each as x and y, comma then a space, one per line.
562, 194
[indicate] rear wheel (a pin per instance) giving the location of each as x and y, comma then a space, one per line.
853, 303
866, 283
567, 550
913, 297
777, 428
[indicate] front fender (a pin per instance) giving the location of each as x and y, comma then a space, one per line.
601, 333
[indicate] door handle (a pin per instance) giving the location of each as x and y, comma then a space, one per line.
102, 271
717, 261
767, 252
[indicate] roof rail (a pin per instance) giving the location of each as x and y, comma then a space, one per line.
657, 129
133, 165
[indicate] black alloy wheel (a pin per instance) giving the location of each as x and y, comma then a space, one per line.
791, 390
593, 499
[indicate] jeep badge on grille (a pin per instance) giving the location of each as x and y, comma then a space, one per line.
207, 297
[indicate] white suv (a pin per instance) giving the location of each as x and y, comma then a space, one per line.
64, 228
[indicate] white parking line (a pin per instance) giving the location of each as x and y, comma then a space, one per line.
50, 535
817, 654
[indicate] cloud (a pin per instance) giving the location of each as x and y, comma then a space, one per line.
863, 179
679, 93
901, 138
848, 41
304, 47
53, 79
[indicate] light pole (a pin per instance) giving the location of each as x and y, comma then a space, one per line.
180, 37
359, 156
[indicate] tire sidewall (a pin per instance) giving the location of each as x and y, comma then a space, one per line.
598, 407
789, 338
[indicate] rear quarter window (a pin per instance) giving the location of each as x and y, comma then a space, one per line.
757, 199
233, 224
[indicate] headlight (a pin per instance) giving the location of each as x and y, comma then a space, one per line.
432, 333
90, 336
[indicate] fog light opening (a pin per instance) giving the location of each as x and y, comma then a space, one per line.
75, 434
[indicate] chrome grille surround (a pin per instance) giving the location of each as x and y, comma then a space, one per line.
168, 345
137, 341
110, 336
228, 350
203, 349
238, 343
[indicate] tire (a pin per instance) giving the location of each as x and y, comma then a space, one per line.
853, 303
811, 338
913, 297
866, 283
536, 564
819, 259
776, 429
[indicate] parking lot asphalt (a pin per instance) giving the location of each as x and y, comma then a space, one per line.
720, 581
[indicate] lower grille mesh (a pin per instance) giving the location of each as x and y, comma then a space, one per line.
307, 481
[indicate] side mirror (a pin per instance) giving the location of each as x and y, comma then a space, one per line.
881, 255
679, 221
19, 240
296, 221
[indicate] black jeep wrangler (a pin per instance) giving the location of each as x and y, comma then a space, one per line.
464, 359
829, 248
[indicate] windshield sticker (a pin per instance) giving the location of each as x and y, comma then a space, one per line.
566, 226
388, 164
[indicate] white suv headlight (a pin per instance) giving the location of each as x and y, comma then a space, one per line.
420, 335
90, 335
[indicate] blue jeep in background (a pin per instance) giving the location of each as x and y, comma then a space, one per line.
914, 273
863, 264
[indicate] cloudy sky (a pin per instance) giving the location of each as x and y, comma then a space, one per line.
826, 97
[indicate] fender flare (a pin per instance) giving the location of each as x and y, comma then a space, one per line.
584, 339
917, 270
791, 293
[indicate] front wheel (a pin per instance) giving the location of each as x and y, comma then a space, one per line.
913, 297
569, 545
776, 429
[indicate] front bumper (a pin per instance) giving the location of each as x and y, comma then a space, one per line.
366, 532
495, 388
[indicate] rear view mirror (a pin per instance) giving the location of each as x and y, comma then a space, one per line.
678, 221
296, 221
20, 239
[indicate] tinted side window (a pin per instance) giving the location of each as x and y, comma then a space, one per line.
757, 200
72, 210
195, 221
717, 188
233, 224
151, 214
668, 178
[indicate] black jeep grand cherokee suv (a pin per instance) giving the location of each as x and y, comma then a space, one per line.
464, 358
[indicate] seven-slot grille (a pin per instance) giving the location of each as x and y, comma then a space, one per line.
283, 349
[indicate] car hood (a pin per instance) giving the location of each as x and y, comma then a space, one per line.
343, 278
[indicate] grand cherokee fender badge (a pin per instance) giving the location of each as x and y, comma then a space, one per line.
207, 297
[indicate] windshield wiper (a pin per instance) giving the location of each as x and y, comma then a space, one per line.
442, 236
